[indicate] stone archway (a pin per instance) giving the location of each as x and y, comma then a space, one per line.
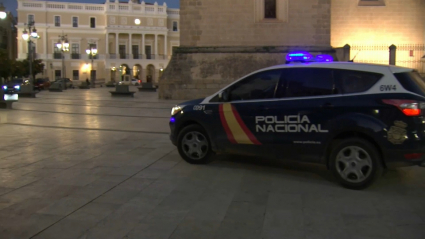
137, 72
124, 70
150, 74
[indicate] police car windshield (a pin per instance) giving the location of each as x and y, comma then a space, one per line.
412, 82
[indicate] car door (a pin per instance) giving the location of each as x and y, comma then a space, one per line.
244, 101
303, 113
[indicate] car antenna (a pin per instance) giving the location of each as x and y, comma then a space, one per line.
355, 56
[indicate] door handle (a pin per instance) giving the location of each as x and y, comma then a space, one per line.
208, 112
327, 105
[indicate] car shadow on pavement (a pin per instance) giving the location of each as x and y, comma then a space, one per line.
314, 174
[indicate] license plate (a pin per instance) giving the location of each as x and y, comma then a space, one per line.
11, 97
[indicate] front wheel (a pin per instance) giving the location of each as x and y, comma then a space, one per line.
194, 145
355, 162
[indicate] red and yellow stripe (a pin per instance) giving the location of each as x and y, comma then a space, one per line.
235, 128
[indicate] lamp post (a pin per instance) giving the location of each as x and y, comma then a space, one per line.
27, 36
63, 45
3, 13
92, 52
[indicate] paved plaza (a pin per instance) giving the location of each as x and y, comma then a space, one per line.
81, 164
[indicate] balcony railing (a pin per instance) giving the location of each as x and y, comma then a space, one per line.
150, 56
93, 57
98, 8
57, 55
137, 56
75, 56
112, 56
124, 56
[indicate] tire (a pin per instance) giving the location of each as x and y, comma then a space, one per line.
194, 145
355, 163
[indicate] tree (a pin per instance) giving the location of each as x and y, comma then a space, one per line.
22, 68
5, 64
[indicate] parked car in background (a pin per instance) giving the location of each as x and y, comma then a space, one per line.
67, 81
17, 81
41, 84
135, 82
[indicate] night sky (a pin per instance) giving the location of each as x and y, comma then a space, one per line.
11, 5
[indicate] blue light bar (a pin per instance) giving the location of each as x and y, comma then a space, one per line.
324, 58
172, 120
299, 56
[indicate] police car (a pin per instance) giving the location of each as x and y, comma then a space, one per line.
355, 118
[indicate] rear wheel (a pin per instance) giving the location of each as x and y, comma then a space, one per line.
355, 162
194, 145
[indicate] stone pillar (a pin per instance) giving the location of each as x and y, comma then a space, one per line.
156, 46
143, 45
116, 44
107, 46
393, 53
346, 54
165, 47
130, 45
143, 77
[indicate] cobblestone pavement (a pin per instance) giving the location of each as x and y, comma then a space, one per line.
80, 164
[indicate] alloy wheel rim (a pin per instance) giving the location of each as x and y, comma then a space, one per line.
354, 164
195, 145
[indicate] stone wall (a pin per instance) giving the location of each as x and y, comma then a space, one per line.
398, 22
235, 23
198, 72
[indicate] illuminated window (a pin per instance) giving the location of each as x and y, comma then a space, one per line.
371, 3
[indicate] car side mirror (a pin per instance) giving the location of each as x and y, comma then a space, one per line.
223, 96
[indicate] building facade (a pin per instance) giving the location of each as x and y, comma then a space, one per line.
132, 39
223, 40
370, 27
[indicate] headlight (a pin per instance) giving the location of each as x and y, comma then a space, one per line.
4, 87
17, 87
176, 109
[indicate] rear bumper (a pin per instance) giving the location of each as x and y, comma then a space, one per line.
397, 158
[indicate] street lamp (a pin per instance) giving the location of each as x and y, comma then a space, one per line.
27, 37
3, 13
92, 52
63, 46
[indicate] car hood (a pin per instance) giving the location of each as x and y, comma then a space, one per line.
192, 102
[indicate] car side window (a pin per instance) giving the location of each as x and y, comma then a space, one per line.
256, 87
349, 81
302, 82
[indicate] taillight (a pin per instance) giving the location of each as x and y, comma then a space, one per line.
140, 81
413, 156
408, 107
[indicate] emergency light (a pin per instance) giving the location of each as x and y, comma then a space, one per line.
299, 56
324, 58
303, 56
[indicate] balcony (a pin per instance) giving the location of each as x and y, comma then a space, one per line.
93, 57
124, 56
75, 56
112, 56
57, 55
150, 56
